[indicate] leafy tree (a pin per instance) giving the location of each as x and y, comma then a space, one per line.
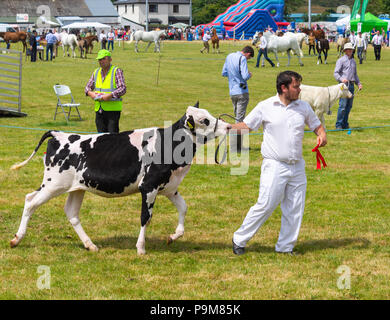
204, 11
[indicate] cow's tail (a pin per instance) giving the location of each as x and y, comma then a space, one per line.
46, 135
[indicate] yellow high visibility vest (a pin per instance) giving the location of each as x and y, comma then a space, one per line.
107, 86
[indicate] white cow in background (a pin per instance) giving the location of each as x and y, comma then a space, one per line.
322, 98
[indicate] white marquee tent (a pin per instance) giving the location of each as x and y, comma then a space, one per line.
345, 21
86, 25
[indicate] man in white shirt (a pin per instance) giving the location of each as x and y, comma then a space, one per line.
361, 46
206, 38
263, 51
352, 38
103, 39
110, 40
283, 179
377, 42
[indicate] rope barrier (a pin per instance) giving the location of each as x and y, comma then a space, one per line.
252, 133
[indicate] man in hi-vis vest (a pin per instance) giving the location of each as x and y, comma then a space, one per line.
106, 87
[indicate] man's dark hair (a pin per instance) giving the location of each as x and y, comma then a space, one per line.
285, 78
248, 49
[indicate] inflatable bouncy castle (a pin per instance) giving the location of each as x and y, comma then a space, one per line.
244, 18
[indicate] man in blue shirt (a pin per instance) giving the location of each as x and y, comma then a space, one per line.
236, 70
51, 41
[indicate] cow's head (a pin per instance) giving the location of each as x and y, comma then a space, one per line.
203, 125
345, 91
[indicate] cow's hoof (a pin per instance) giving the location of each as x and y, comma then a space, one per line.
93, 248
14, 242
141, 252
90, 246
169, 240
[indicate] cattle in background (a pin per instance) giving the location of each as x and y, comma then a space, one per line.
341, 41
322, 98
150, 161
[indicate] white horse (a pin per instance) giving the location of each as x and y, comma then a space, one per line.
69, 40
151, 36
277, 44
300, 37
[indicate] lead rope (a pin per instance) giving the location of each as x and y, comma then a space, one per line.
222, 140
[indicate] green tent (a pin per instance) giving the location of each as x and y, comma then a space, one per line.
369, 22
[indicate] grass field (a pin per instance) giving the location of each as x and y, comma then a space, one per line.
346, 221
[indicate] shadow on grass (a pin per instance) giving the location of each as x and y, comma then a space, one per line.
181, 245
159, 244
314, 245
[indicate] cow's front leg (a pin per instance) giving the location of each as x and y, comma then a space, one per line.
148, 199
181, 206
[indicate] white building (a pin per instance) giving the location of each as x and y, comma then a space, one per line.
164, 12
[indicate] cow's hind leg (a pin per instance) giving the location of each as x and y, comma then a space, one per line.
181, 206
32, 201
148, 199
72, 209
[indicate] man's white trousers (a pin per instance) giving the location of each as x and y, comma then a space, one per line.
280, 183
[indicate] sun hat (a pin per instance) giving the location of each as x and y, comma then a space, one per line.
103, 53
348, 46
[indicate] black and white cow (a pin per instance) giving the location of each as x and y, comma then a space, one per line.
150, 161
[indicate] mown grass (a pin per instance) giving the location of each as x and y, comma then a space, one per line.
346, 218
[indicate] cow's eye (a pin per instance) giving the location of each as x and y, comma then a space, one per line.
206, 122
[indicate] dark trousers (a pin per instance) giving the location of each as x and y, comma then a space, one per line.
377, 51
110, 44
261, 52
34, 54
311, 46
360, 54
107, 121
49, 47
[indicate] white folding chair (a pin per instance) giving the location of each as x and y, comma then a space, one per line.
61, 91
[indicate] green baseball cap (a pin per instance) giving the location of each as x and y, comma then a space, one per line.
103, 53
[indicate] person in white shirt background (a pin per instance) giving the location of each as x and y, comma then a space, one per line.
110, 40
283, 178
103, 39
263, 51
377, 42
361, 46
206, 38
352, 38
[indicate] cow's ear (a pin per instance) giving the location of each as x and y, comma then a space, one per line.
190, 123
196, 104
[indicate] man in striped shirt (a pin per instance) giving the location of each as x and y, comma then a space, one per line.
346, 72
106, 87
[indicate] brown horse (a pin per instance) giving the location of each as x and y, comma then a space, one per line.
319, 34
215, 40
90, 40
322, 47
13, 37
83, 46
